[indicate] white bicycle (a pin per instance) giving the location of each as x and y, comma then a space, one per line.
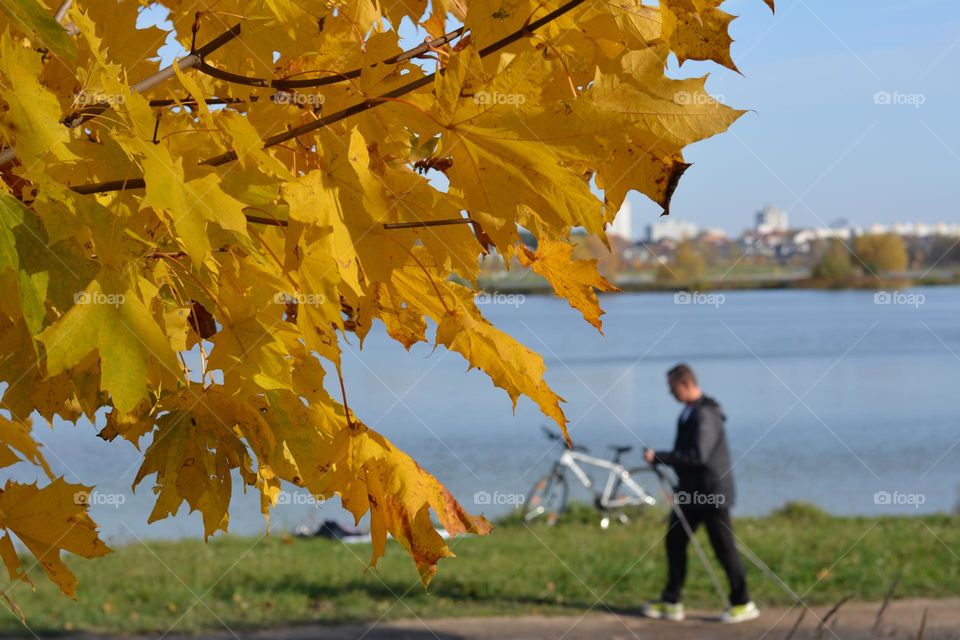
623, 486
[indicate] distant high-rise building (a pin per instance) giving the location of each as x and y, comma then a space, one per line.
671, 229
623, 224
771, 219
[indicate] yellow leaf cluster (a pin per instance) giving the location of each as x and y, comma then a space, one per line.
188, 248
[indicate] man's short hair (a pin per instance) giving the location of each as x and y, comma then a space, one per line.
682, 373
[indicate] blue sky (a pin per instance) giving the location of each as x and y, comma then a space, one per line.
816, 143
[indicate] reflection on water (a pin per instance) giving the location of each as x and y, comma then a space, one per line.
831, 398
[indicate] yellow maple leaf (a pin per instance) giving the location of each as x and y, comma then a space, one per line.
48, 520
575, 280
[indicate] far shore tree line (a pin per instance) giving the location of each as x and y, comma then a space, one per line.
872, 258
879, 257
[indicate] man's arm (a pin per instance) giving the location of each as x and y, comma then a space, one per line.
707, 436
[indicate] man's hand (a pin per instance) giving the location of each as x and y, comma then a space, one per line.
649, 456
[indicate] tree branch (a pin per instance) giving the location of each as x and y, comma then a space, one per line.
87, 113
369, 103
286, 83
426, 223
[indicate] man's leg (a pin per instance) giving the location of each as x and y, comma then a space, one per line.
677, 540
724, 545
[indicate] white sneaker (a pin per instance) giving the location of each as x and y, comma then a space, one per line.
663, 611
740, 613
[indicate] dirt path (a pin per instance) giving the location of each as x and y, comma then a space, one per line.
853, 621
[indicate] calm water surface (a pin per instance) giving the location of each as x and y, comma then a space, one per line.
829, 396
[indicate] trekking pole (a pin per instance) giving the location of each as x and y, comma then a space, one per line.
743, 549
767, 571
668, 496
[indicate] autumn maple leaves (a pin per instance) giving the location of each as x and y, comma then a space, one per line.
324, 206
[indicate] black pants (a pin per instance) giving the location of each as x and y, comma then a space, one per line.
717, 521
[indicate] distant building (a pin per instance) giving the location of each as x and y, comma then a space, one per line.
623, 224
671, 229
771, 219
715, 235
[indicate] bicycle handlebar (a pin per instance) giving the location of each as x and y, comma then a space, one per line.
550, 434
555, 436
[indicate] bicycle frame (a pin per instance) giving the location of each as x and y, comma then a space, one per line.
618, 474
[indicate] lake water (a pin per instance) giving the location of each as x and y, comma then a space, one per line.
830, 398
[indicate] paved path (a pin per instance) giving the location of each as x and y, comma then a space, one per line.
853, 621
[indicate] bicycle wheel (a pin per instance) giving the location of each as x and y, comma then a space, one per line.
547, 500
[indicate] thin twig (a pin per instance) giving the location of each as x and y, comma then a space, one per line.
823, 622
87, 113
886, 600
426, 223
262, 220
360, 107
796, 625
286, 83
62, 11
370, 103
923, 624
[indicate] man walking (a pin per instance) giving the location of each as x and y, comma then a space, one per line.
705, 494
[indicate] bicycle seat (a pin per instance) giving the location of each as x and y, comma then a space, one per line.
620, 450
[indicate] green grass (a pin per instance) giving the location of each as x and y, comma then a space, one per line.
245, 582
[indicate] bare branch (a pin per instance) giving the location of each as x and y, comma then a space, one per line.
823, 622
886, 601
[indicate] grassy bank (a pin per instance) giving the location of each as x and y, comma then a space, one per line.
245, 582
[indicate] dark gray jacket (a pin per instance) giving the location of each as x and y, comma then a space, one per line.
701, 458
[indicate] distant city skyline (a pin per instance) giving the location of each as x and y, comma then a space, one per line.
768, 220
872, 140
